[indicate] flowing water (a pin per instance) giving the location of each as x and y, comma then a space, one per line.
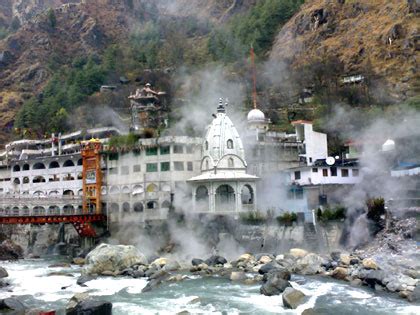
29, 279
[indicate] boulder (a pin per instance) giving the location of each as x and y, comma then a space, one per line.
309, 264
112, 258
354, 261
160, 262
374, 277
216, 260
11, 304
340, 273
265, 260
415, 295
280, 272
79, 261
196, 261
274, 285
3, 273
335, 256
279, 257
369, 263
138, 274
270, 266
155, 280
298, 252
246, 257
171, 265
10, 250
292, 298
91, 307
237, 276
345, 259
59, 265
76, 299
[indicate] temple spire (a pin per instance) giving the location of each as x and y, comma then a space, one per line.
254, 78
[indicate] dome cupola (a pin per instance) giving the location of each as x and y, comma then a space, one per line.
256, 115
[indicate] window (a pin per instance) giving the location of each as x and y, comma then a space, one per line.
151, 151
310, 160
315, 170
333, 171
113, 156
179, 166
125, 170
229, 144
299, 193
164, 150
297, 175
16, 168
230, 163
164, 166
178, 149
151, 167
190, 149
113, 171
26, 167
325, 172
355, 172
190, 166
136, 168
344, 173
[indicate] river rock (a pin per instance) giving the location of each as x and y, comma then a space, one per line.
374, 277
160, 262
75, 299
196, 261
85, 278
10, 250
345, 259
246, 258
79, 261
216, 260
11, 304
292, 298
237, 276
91, 307
3, 273
298, 252
279, 257
59, 265
335, 256
270, 266
274, 285
309, 264
155, 280
112, 258
265, 260
171, 265
415, 295
369, 263
138, 274
340, 273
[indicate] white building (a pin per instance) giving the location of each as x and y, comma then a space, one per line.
223, 185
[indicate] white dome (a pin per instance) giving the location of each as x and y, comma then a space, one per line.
256, 115
389, 145
222, 141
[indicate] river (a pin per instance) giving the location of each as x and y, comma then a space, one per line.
30, 280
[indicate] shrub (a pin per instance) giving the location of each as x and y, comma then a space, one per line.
252, 217
376, 208
287, 218
328, 214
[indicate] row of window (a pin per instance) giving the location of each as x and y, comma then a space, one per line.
344, 172
41, 166
153, 167
164, 150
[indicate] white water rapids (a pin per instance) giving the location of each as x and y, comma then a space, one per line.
30, 281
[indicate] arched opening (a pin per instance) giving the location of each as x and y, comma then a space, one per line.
138, 189
138, 207
152, 204
26, 180
68, 177
39, 193
125, 190
53, 193
230, 163
202, 193
225, 198
15, 211
103, 190
114, 190
166, 188
16, 181
68, 209
166, 204
80, 162
54, 164
152, 188
68, 163
126, 207
38, 179
80, 192
79, 176
229, 144
25, 167
38, 210
38, 166
16, 168
53, 210
207, 165
68, 193
247, 195
114, 207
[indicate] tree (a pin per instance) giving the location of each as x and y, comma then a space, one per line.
52, 19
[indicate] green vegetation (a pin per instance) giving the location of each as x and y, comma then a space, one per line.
52, 19
287, 218
375, 209
253, 217
3, 32
123, 141
330, 214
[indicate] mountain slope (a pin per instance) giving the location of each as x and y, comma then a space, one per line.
382, 34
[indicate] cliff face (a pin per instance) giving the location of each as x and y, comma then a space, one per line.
383, 33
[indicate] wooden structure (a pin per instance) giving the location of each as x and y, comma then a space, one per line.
92, 177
